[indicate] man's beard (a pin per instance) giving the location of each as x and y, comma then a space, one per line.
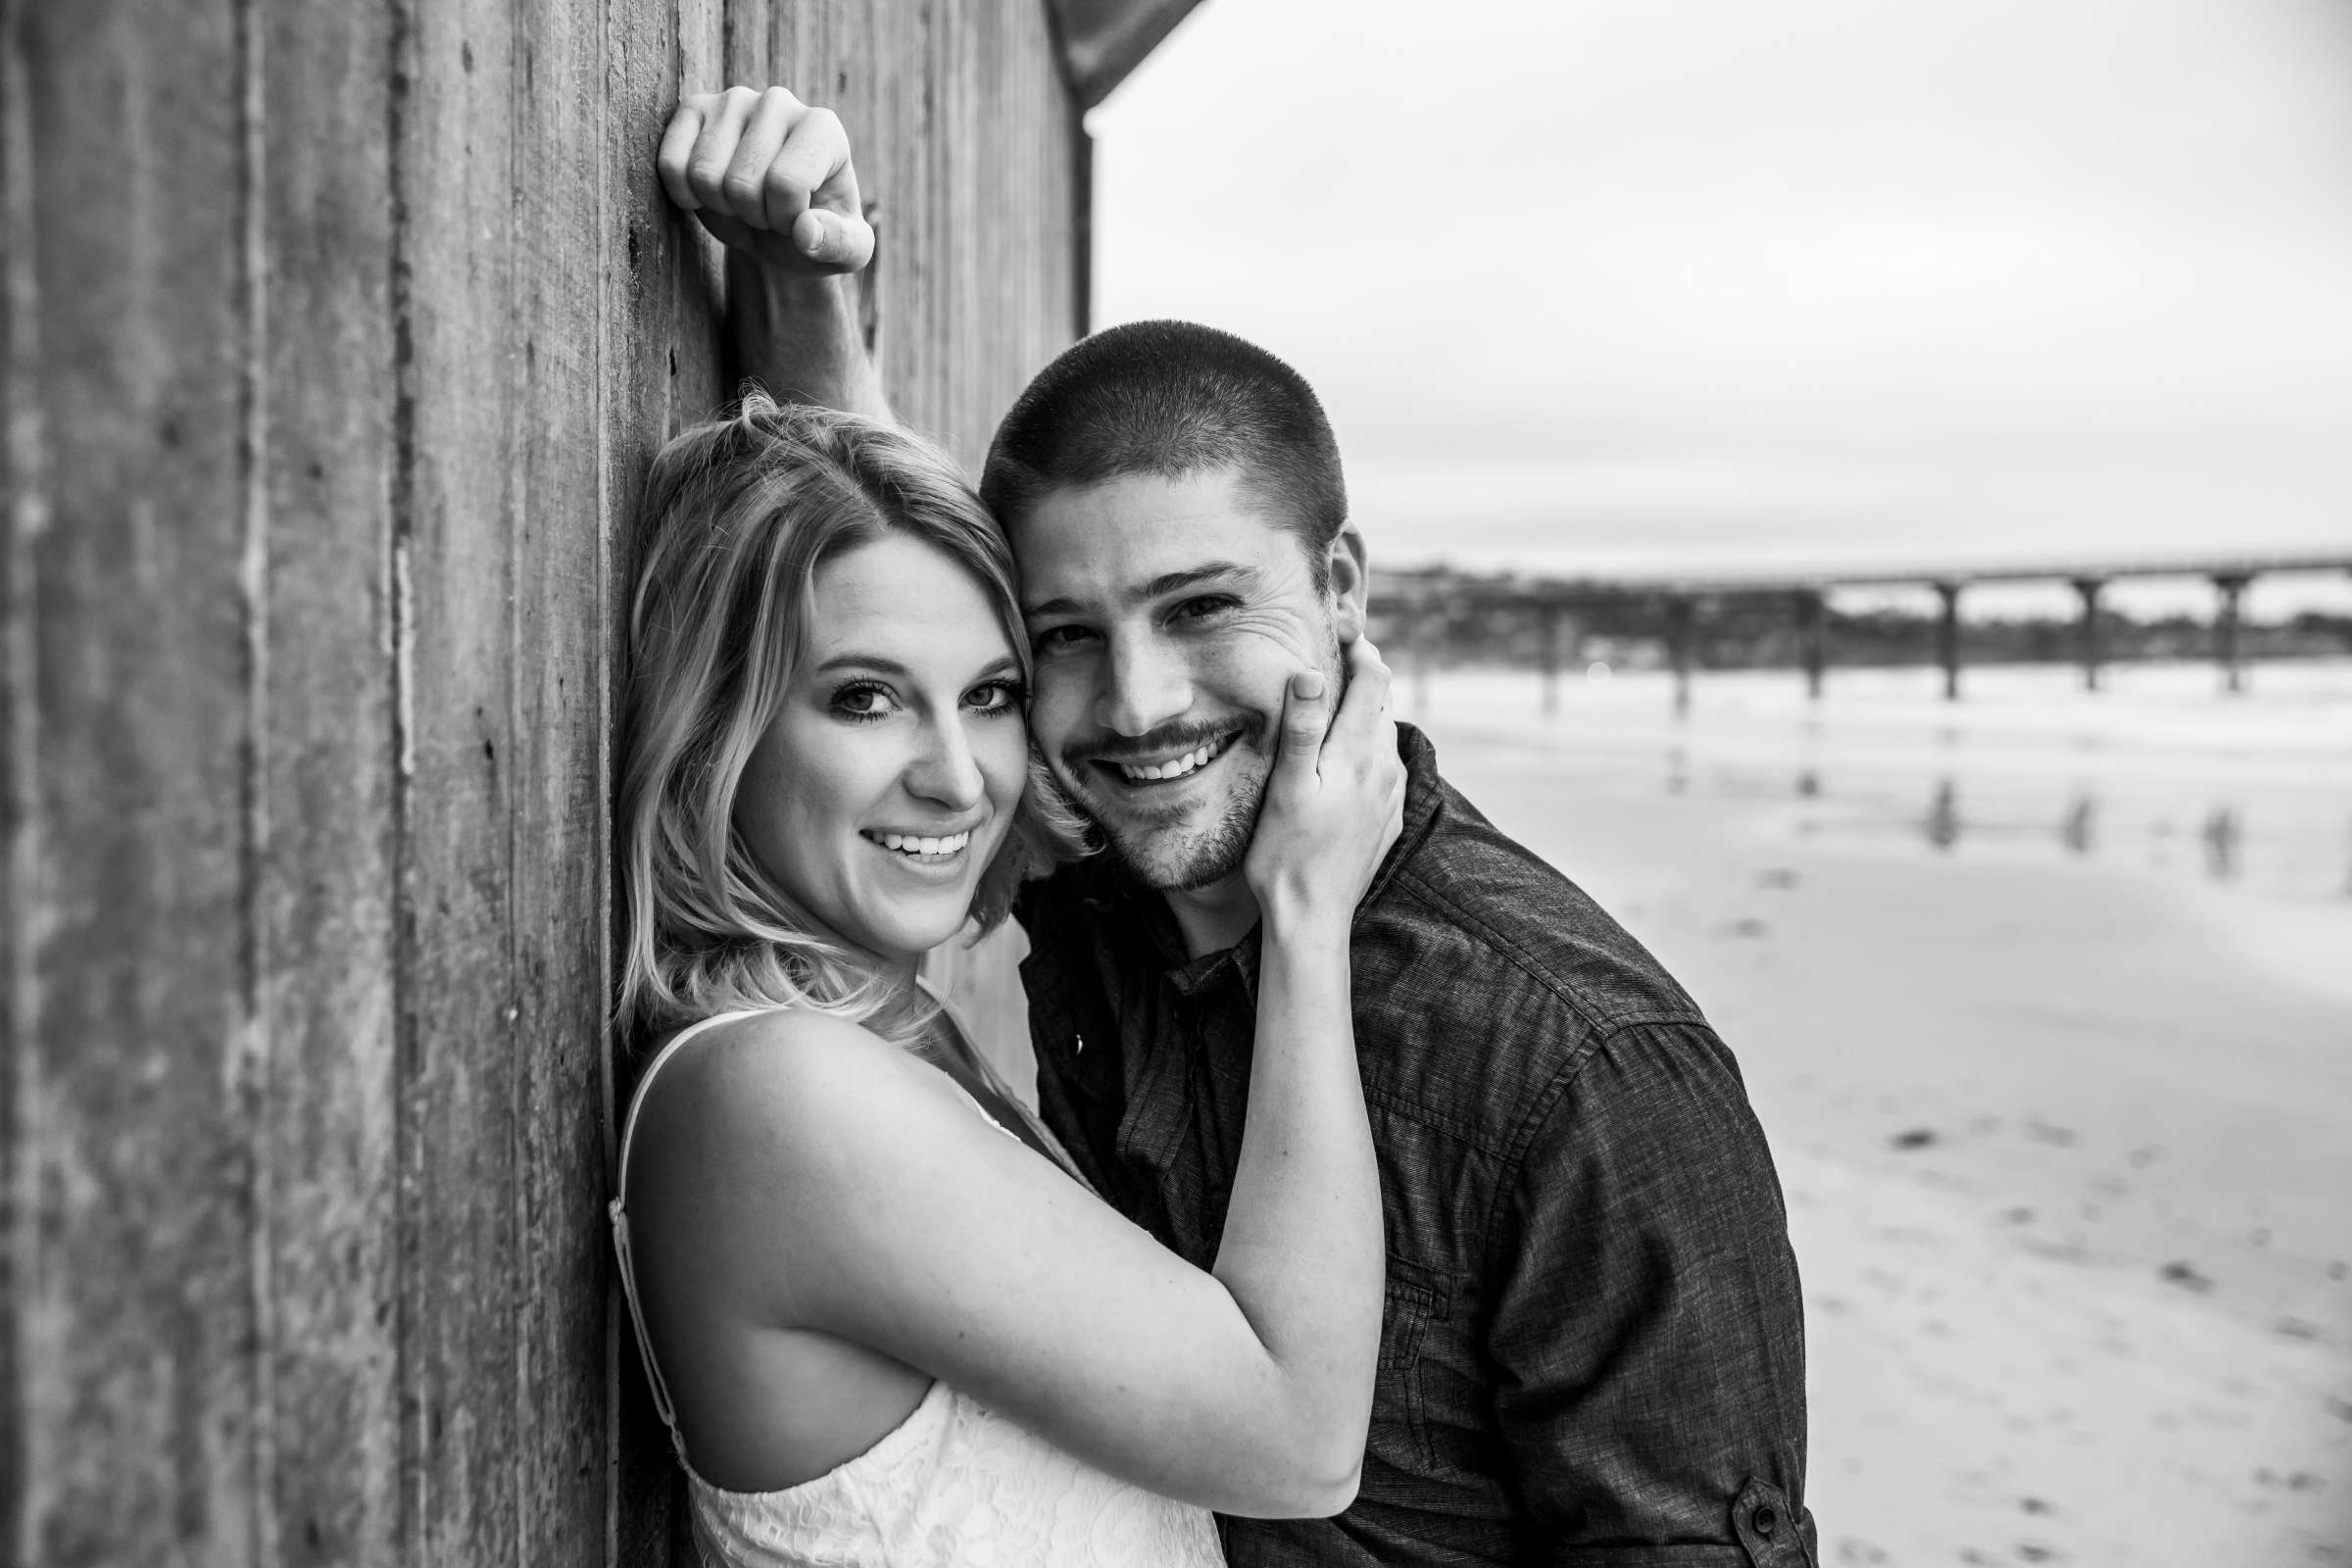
1172, 855
1212, 855
1216, 852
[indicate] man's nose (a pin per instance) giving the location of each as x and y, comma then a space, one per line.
1142, 687
945, 773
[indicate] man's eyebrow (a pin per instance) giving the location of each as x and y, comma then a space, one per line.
1167, 582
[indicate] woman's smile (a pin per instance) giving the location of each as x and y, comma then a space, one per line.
922, 849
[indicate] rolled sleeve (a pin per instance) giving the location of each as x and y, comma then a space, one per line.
1647, 1333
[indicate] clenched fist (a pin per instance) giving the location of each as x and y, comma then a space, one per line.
771, 177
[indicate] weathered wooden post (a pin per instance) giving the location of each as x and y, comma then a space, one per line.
1947, 639
2087, 629
2229, 588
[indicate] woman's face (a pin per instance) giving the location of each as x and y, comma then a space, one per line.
888, 781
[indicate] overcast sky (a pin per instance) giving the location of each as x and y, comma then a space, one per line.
1614, 285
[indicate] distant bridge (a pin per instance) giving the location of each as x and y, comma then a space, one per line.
1412, 595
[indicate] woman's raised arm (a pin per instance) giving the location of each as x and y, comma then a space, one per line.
771, 178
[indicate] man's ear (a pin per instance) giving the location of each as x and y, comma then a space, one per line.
1351, 583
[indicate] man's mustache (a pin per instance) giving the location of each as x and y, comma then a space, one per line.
1169, 738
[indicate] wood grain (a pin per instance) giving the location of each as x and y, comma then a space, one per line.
319, 551
459, 1127
557, 829
131, 1183
648, 252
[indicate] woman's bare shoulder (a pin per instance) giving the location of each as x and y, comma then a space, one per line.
790, 1091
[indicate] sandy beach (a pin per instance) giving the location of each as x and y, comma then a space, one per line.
2058, 1074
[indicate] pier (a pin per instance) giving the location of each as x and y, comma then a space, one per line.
1675, 610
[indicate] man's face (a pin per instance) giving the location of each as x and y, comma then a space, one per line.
1167, 617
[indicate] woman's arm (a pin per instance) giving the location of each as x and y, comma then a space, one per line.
805, 1175
1302, 1245
771, 179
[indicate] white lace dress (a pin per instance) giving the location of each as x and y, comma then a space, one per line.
952, 1484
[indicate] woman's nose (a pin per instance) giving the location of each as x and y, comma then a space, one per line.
947, 772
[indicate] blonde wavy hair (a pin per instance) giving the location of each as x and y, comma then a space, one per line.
739, 514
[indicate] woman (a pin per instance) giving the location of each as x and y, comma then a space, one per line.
884, 1320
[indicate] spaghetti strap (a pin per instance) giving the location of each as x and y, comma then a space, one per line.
617, 1209
645, 1084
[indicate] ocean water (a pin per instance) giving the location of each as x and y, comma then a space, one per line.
2157, 770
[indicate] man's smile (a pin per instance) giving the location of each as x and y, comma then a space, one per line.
1190, 758
1169, 769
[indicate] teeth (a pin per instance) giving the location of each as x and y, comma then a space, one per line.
910, 844
1176, 770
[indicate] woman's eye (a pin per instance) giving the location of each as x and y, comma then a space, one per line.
861, 701
997, 696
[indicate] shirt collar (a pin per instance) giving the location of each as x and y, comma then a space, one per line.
1424, 798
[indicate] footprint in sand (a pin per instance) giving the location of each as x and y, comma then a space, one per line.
2185, 1275
2042, 1132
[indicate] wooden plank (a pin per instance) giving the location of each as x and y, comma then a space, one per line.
698, 371
457, 1127
747, 48
557, 829
650, 252
128, 715
23, 518
326, 1046
862, 59
999, 214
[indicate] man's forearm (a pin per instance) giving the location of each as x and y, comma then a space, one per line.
800, 337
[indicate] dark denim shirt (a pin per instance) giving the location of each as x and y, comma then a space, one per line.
1592, 1351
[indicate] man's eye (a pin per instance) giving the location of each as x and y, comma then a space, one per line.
1205, 606
1059, 639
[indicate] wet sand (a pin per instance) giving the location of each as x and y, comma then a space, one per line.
2064, 1118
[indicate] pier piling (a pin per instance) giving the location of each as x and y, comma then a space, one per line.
1947, 639
2232, 588
2086, 631
1554, 633
1680, 612
1813, 635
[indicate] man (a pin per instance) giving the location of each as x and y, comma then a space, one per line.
1592, 1352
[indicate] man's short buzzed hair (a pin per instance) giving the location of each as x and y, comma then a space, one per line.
1173, 399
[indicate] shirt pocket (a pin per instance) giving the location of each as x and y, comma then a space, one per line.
1415, 1298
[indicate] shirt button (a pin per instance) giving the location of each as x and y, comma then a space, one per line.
1766, 1521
